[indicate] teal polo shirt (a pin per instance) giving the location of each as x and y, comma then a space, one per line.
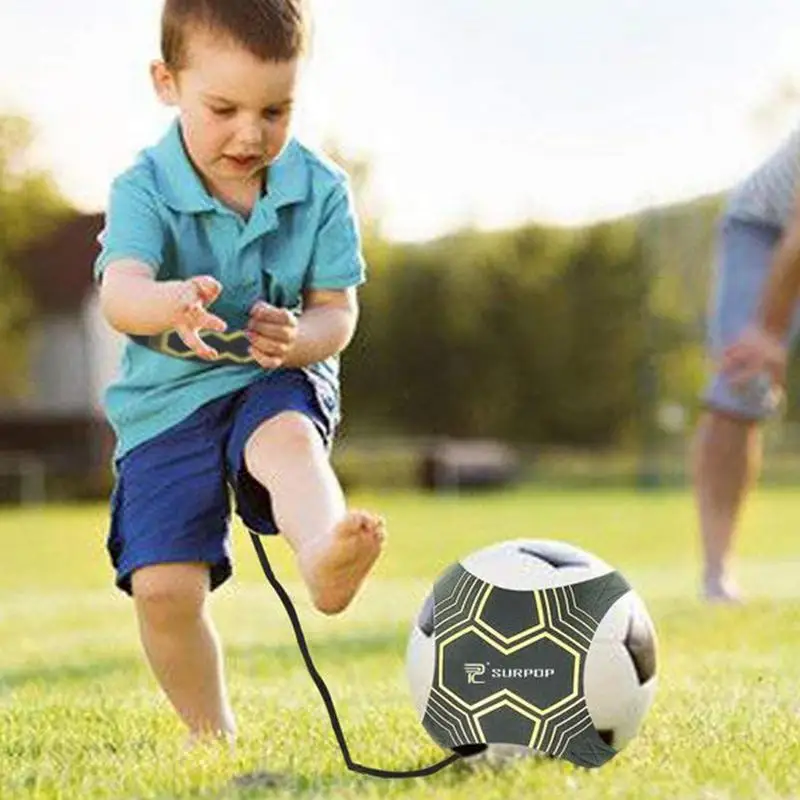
301, 234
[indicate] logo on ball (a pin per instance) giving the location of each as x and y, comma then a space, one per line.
474, 672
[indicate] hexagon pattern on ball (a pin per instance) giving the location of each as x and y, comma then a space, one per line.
533, 647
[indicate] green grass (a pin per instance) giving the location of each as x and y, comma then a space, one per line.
80, 716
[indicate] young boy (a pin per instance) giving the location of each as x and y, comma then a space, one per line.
227, 225
751, 328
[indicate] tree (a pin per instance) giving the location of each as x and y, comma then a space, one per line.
30, 204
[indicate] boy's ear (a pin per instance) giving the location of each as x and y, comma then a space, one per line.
164, 83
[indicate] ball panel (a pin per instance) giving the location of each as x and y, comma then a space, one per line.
425, 618
633, 713
607, 736
556, 554
610, 685
640, 642
617, 700
522, 564
420, 663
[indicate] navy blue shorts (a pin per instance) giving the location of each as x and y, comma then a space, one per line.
171, 501
744, 255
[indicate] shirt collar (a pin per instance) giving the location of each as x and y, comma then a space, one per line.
179, 183
287, 183
288, 177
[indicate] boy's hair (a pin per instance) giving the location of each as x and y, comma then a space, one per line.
272, 30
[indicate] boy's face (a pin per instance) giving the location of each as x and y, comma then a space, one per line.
235, 110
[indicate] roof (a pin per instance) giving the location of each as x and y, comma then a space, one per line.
57, 268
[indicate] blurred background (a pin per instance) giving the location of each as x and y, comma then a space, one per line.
538, 184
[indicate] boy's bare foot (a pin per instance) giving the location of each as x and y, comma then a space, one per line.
196, 741
336, 572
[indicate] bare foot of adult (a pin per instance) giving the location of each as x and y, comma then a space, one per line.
721, 590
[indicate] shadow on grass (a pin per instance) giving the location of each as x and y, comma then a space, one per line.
346, 783
349, 784
67, 673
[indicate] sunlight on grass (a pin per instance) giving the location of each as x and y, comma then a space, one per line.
80, 716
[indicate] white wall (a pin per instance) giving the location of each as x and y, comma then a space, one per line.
59, 367
105, 346
73, 358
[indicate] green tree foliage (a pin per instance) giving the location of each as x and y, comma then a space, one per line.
29, 205
533, 335
603, 291
537, 335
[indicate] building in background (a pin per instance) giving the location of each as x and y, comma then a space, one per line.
57, 434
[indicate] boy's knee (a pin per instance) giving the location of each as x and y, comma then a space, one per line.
289, 429
167, 595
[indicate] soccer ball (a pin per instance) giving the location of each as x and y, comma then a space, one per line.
532, 647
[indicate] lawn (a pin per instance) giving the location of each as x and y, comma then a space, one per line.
80, 715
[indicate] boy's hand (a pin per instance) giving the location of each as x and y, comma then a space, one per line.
756, 353
191, 315
272, 332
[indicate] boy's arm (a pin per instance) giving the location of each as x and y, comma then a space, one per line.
133, 246
325, 328
134, 303
330, 300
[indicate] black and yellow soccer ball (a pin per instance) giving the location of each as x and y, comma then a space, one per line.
533, 647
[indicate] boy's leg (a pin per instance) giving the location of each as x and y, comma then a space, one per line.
335, 548
182, 645
169, 544
727, 457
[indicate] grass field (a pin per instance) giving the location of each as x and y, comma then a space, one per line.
80, 716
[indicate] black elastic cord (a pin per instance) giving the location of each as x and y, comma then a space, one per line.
323, 689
